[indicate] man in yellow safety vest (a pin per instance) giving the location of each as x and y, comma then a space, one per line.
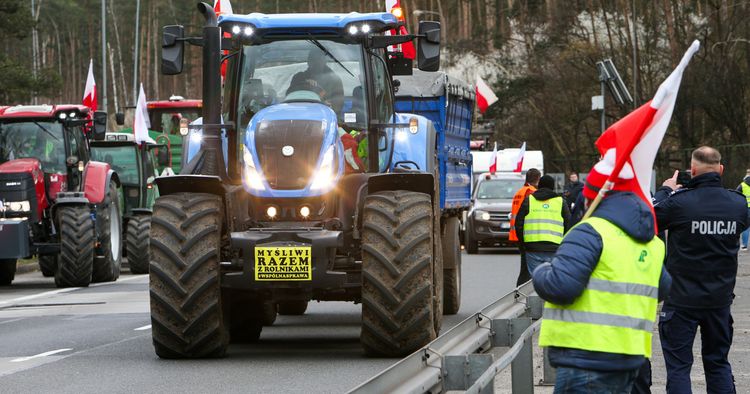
744, 188
602, 289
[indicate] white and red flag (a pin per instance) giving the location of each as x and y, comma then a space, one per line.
407, 48
635, 139
493, 160
89, 93
223, 7
485, 95
141, 124
519, 158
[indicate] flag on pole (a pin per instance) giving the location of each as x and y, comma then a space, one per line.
407, 48
485, 95
519, 159
89, 93
223, 7
493, 160
141, 124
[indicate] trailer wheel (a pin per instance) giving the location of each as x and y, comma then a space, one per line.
138, 243
472, 246
109, 225
452, 267
48, 264
292, 308
186, 305
7, 271
77, 238
397, 256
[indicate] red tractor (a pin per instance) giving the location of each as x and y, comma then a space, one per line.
54, 202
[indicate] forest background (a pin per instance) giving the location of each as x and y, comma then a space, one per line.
538, 55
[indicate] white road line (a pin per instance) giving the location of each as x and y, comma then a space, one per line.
143, 328
65, 290
45, 354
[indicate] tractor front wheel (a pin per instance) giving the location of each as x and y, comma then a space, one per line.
398, 310
138, 243
7, 271
77, 238
109, 224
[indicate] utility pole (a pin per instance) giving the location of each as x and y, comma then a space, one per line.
635, 55
104, 55
137, 47
34, 46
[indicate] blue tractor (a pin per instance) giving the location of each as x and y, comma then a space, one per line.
302, 182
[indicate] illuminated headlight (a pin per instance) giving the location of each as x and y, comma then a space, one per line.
62, 116
365, 28
18, 206
304, 211
353, 30
236, 29
253, 179
482, 215
272, 212
72, 115
248, 31
401, 136
323, 178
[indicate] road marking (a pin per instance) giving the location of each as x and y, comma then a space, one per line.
45, 354
143, 328
65, 290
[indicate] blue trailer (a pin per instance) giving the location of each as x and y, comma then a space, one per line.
303, 181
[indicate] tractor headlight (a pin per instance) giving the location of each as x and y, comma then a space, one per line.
17, 206
252, 177
482, 215
323, 178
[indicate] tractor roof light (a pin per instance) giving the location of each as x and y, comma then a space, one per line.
236, 29
353, 30
366, 28
62, 116
248, 31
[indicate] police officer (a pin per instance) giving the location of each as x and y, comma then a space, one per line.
541, 223
703, 223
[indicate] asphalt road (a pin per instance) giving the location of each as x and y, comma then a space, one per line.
98, 339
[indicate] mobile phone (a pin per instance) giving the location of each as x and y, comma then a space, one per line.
684, 177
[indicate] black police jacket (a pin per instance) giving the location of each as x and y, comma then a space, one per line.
704, 223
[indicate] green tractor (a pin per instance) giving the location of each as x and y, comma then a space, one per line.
137, 166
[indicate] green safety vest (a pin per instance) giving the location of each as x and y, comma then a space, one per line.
617, 310
544, 222
746, 192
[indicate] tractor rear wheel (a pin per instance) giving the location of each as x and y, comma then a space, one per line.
398, 315
7, 271
48, 264
452, 267
77, 237
186, 305
137, 243
109, 224
292, 308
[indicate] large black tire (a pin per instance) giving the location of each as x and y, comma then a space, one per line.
48, 264
75, 264
398, 314
472, 246
7, 271
138, 243
292, 308
452, 267
186, 305
108, 261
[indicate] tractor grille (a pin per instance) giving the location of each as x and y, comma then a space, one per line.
19, 187
288, 172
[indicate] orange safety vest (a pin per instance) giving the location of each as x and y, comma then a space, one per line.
517, 202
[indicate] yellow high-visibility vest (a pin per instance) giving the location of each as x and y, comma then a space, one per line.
617, 310
544, 222
746, 192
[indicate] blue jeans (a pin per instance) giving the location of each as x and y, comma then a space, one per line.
745, 235
579, 381
535, 259
677, 330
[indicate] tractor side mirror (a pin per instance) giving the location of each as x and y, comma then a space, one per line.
428, 53
120, 118
172, 49
100, 125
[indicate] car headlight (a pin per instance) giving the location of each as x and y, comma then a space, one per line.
323, 178
17, 206
252, 177
482, 215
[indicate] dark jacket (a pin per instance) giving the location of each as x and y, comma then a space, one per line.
704, 222
571, 191
566, 277
541, 195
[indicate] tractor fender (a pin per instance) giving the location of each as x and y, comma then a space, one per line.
190, 184
420, 182
96, 179
66, 199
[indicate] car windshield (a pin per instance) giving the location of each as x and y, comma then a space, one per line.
40, 140
167, 120
499, 189
311, 70
123, 160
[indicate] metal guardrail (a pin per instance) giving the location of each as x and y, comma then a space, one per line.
456, 360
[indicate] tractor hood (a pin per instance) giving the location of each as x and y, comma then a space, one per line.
288, 147
29, 165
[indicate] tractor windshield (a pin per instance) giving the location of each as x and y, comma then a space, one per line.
312, 70
123, 160
167, 120
40, 140
499, 189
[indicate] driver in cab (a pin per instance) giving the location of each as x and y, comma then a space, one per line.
320, 79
